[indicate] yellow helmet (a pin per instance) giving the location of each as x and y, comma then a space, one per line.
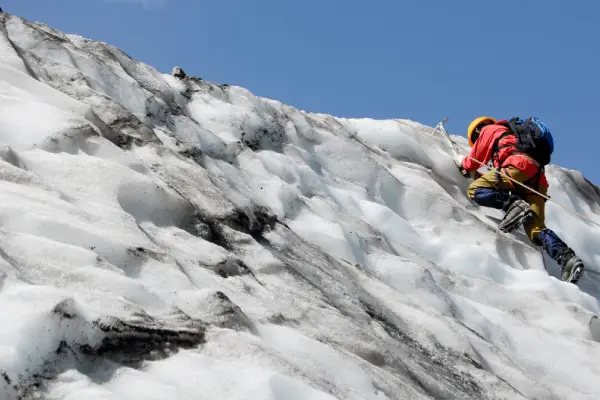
473, 131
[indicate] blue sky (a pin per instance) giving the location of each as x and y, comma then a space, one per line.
420, 59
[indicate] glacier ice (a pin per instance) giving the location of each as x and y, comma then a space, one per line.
177, 238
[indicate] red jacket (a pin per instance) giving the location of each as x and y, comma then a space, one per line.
482, 151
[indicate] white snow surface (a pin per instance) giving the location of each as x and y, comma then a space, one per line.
178, 239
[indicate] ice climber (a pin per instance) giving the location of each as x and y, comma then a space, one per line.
519, 149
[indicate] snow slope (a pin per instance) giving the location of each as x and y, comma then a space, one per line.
165, 238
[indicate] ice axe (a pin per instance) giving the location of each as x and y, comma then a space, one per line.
446, 136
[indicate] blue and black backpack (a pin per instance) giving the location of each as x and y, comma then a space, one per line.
533, 138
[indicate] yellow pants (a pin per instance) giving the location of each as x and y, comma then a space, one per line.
533, 225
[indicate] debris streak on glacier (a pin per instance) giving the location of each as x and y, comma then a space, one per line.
175, 238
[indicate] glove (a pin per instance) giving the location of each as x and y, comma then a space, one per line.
458, 160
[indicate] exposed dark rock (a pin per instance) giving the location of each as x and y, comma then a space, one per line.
199, 228
64, 309
269, 137
194, 153
231, 267
224, 313
255, 222
6, 377
179, 73
130, 344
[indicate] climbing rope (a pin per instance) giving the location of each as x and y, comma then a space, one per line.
440, 127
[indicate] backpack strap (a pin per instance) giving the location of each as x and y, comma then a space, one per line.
496, 146
496, 151
534, 181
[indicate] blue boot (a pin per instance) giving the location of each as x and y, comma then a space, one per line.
571, 266
573, 269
